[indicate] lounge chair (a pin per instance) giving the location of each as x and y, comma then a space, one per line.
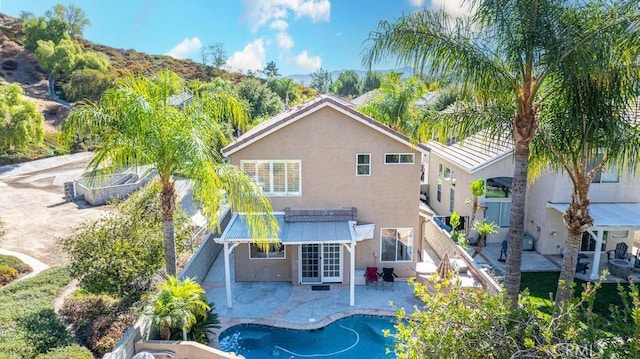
619, 253
388, 276
371, 276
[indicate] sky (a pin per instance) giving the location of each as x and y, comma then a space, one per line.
300, 36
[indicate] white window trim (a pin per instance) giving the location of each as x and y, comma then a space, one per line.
413, 240
357, 164
271, 162
400, 154
284, 249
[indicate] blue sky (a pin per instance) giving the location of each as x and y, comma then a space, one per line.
299, 35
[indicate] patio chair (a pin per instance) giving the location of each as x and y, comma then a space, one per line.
388, 276
619, 253
503, 250
371, 276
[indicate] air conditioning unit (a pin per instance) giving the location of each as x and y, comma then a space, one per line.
527, 242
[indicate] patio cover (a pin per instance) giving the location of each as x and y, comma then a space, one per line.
609, 216
343, 232
606, 217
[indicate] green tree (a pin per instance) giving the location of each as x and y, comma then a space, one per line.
395, 105
271, 70
74, 17
285, 88
321, 81
214, 55
504, 52
586, 125
121, 252
484, 229
260, 101
138, 126
372, 81
177, 305
20, 121
26, 15
66, 56
349, 84
37, 29
87, 84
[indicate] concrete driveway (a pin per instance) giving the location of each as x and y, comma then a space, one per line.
33, 209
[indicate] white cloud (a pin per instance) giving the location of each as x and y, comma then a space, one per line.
262, 12
308, 63
417, 3
279, 25
452, 7
285, 41
185, 48
252, 57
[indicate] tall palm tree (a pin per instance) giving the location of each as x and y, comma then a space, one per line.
395, 104
139, 123
504, 53
588, 124
285, 88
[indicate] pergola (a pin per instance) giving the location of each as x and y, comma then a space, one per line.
606, 217
346, 233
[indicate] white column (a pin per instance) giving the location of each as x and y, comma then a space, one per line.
228, 248
352, 282
595, 263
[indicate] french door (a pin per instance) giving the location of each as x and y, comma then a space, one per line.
321, 263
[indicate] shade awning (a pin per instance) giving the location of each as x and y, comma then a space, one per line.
294, 232
609, 215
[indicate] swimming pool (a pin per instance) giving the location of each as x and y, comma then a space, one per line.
350, 337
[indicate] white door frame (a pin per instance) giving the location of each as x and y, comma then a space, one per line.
322, 264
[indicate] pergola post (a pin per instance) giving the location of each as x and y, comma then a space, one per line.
228, 249
595, 263
351, 247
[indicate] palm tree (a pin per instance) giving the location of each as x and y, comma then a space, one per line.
177, 305
139, 123
504, 54
285, 88
586, 127
484, 229
395, 104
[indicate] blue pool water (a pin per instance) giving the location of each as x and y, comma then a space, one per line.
351, 337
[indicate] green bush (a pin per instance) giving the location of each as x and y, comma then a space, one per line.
70, 352
7, 274
15, 263
44, 330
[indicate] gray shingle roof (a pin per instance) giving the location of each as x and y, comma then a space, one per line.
475, 152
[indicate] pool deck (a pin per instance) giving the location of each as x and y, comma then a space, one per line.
282, 304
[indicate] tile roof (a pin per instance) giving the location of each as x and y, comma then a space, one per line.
475, 152
293, 114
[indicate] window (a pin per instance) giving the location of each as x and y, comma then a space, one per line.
398, 158
619, 234
440, 171
363, 164
608, 174
588, 242
439, 194
498, 187
452, 200
447, 174
498, 213
276, 178
396, 244
453, 178
276, 251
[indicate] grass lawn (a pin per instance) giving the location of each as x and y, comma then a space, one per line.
540, 284
29, 327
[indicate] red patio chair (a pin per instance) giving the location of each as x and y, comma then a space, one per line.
371, 276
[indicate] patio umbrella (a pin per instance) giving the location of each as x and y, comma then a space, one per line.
444, 270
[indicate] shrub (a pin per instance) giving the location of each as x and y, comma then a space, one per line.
44, 330
7, 274
15, 263
69, 352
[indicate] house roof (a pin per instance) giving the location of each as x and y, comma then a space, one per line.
293, 232
609, 215
292, 115
475, 152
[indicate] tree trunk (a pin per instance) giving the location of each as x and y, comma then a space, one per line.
165, 333
577, 220
481, 241
167, 207
512, 273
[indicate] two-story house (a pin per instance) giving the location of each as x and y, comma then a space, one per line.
615, 198
345, 191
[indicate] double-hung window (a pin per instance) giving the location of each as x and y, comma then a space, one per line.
275, 177
396, 244
363, 164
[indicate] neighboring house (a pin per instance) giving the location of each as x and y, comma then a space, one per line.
615, 200
345, 191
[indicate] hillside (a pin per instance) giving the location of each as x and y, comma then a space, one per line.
19, 65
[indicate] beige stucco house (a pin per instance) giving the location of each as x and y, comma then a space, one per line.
344, 188
615, 198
